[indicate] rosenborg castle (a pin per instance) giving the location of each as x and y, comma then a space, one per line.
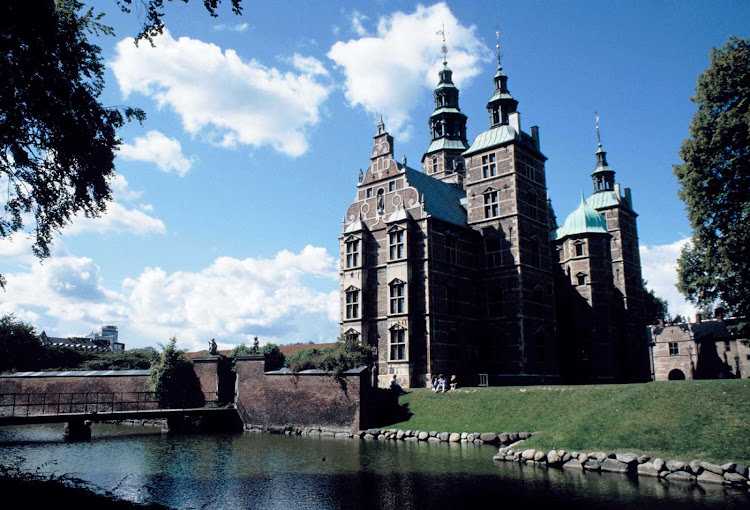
460, 267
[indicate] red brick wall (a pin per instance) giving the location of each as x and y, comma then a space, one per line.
303, 400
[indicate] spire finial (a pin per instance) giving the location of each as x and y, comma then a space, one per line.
444, 48
598, 137
497, 47
381, 125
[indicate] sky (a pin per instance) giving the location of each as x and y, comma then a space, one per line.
229, 198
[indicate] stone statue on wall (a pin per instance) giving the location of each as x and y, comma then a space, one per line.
360, 175
212, 348
256, 348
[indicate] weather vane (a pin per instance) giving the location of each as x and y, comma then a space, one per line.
444, 48
497, 46
596, 116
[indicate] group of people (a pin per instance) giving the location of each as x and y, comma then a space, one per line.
439, 382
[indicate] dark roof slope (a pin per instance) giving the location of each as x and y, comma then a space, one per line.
441, 200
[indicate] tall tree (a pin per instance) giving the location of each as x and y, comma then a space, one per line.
57, 141
656, 307
715, 185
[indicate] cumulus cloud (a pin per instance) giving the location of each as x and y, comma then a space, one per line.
157, 148
357, 26
386, 72
217, 94
659, 265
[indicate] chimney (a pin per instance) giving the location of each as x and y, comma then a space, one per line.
697, 318
719, 314
535, 136
629, 197
617, 189
514, 119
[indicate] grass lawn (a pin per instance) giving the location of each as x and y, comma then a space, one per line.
705, 420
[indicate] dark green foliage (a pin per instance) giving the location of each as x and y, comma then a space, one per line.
152, 22
19, 345
656, 307
336, 359
715, 185
174, 380
274, 357
240, 350
137, 359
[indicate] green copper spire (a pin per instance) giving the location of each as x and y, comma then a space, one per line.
584, 220
502, 103
603, 176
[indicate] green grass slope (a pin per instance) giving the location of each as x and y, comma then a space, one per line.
706, 420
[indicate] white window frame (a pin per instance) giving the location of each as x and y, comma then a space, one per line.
352, 252
491, 203
352, 303
397, 244
397, 298
399, 334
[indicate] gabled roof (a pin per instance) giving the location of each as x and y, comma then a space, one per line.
441, 200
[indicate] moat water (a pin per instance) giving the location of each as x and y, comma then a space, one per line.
257, 471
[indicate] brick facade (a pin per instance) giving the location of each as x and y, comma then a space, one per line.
450, 268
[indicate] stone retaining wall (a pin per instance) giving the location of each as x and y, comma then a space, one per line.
641, 465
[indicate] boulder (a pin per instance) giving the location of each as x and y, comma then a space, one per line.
599, 456
592, 465
676, 465
695, 467
714, 468
509, 458
627, 458
411, 439
374, 432
643, 459
659, 464
470, 438
499, 456
524, 435
710, 477
734, 478
647, 469
528, 454
488, 437
504, 438
400, 434
540, 457
409, 433
615, 466
444, 436
433, 433
342, 435
433, 439
742, 470
423, 436
682, 476
455, 437
729, 467
573, 464
368, 436
513, 437
553, 458
464, 435
567, 456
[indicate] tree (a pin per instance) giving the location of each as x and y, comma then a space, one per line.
345, 354
57, 141
714, 179
174, 380
19, 345
656, 307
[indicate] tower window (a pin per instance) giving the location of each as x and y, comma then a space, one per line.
579, 249
398, 299
396, 243
451, 249
352, 253
392, 186
368, 193
495, 302
398, 344
535, 254
493, 253
434, 165
491, 206
674, 349
581, 279
352, 304
488, 166
451, 299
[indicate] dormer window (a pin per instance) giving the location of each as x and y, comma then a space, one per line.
351, 335
352, 253
396, 244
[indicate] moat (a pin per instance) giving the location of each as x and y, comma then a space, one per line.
240, 471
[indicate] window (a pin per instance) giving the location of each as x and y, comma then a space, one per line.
451, 249
488, 166
674, 349
434, 165
495, 302
579, 249
491, 207
396, 243
351, 335
529, 167
392, 186
560, 253
536, 207
352, 303
581, 279
398, 299
493, 253
727, 347
538, 300
352, 253
398, 344
368, 193
451, 299
535, 255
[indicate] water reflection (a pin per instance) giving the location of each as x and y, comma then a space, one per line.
264, 471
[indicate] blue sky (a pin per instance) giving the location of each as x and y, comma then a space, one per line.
230, 196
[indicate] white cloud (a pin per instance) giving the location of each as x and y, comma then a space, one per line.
659, 265
119, 219
157, 148
239, 27
17, 248
220, 96
386, 73
357, 27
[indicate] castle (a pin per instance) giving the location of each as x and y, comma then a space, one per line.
460, 267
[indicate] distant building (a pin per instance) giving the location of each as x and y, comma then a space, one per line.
106, 341
459, 267
704, 349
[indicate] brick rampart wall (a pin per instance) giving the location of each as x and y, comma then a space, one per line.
300, 400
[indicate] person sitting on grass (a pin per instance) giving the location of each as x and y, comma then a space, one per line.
440, 383
454, 382
395, 386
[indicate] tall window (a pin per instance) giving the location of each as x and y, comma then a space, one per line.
398, 344
536, 208
535, 254
451, 299
491, 206
352, 304
396, 243
352, 253
538, 298
579, 249
451, 249
434, 165
398, 297
674, 348
488, 166
495, 302
493, 253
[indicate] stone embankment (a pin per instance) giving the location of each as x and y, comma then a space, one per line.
641, 465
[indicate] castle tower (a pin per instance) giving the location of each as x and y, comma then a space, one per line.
507, 202
447, 132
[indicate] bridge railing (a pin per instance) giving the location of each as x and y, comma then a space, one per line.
34, 404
